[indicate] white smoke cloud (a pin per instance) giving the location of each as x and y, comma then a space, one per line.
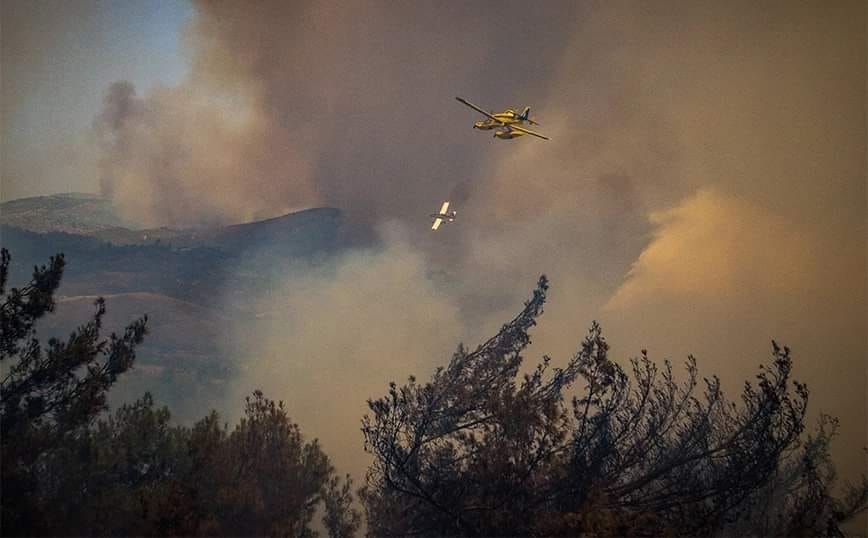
334, 337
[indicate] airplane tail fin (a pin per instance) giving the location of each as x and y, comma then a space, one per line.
525, 115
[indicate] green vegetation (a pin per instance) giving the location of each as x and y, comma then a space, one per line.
474, 451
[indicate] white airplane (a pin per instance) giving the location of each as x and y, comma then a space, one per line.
443, 215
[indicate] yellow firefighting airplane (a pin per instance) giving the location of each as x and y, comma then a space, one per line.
443, 215
507, 122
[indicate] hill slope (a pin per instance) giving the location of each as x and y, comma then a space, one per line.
195, 285
71, 213
187, 264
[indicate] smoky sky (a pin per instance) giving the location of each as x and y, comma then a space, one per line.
291, 105
57, 59
703, 192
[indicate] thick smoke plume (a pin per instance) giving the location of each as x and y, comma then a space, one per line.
336, 336
294, 104
703, 191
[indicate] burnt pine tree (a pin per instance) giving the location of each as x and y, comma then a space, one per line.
476, 452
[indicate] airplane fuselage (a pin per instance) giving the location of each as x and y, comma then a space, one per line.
507, 117
450, 216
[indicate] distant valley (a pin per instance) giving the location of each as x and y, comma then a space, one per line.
194, 284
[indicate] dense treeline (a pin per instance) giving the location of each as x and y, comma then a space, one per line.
584, 450
134, 474
69, 469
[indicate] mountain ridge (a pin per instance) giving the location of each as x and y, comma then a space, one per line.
92, 215
197, 285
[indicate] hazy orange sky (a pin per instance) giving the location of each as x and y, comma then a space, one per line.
704, 190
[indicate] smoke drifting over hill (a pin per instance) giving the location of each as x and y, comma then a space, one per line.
738, 128
291, 105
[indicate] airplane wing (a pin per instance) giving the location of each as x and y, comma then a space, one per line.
437, 223
444, 208
528, 131
476, 108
